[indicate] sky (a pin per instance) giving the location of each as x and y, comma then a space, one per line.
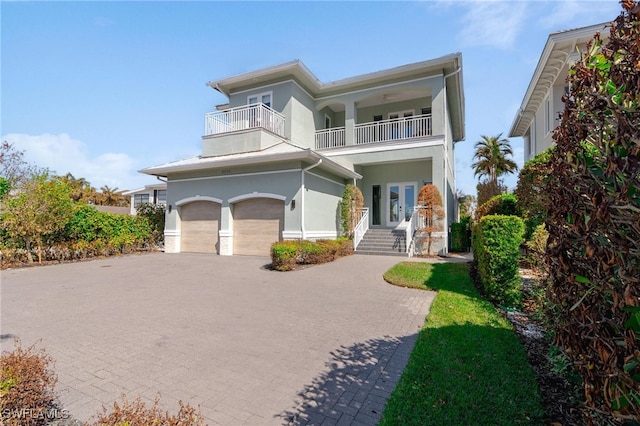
103, 89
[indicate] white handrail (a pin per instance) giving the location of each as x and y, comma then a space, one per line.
416, 222
361, 228
244, 118
330, 138
393, 129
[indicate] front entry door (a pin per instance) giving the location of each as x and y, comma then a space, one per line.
401, 199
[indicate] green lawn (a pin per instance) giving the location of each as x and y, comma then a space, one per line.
468, 367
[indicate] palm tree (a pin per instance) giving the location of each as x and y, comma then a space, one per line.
491, 153
109, 196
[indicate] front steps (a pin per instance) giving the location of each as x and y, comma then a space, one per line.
383, 242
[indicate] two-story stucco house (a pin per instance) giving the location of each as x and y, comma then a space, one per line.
542, 105
276, 158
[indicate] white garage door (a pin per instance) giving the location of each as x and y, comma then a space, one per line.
257, 223
200, 221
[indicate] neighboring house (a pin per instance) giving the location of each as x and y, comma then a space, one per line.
542, 105
275, 159
150, 194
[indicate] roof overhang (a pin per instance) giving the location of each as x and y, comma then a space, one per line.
557, 53
210, 163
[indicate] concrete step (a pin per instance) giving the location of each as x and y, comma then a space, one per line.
380, 253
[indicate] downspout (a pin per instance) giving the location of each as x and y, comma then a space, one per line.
160, 179
302, 189
446, 160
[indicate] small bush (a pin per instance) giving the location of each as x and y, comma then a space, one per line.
283, 255
496, 249
536, 249
460, 242
286, 254
136, 413
27, 385
505, 204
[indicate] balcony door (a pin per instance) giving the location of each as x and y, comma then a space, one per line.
257, 116
401, 200
401, 124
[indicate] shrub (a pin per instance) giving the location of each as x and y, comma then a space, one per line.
594, 232
283, 255
488, 189
137, 413
533, 202
460, 237
27, 385
536, 249
504, 204
496, 249
351, 203
155, 214
286, 254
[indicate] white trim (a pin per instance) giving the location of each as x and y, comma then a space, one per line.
379, 147
197, 198
327, 179
225, 233
172, 233
256, 195
291, 235
321, 235
236, 175
259, 98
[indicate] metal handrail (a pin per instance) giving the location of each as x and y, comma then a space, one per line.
361, 228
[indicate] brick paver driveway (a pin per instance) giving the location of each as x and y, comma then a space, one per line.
323, 345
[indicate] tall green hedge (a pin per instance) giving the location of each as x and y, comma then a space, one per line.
460, 237
496, 249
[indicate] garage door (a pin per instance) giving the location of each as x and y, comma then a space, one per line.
257, 223
199, 226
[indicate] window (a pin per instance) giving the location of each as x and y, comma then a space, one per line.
264, 98
140, 199
161, 196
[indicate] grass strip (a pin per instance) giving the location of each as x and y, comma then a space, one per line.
468, 366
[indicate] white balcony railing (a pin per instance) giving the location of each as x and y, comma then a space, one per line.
244, 118
330, 138
361, 228
393, 129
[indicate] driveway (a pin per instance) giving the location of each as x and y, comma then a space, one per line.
323, 345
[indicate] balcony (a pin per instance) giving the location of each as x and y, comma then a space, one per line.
395, 129
256, 116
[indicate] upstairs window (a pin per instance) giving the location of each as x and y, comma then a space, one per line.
265, 98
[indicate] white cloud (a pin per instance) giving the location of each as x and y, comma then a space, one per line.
62, 154
491, 23
569, 14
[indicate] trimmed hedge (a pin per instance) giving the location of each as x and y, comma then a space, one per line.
285, 255
460, 235
496, 249
504, 204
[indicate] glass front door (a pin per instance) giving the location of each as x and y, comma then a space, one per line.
402, 199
